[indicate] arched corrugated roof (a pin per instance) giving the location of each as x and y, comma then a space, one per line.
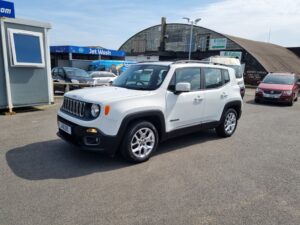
273, 58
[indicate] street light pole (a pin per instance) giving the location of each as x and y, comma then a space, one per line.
191, 39
191, 33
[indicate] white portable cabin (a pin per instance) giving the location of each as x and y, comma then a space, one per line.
25, 70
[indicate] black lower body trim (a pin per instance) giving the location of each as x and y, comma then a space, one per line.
87, 141
192, 129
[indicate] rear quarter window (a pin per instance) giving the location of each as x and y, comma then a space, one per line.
226, 76
212, 78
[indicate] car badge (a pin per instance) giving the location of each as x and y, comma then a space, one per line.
272, 92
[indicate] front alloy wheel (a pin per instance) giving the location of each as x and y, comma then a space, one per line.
140, 142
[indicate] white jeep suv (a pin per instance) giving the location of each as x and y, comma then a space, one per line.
149, 103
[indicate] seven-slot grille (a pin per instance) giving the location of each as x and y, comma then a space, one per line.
74, 107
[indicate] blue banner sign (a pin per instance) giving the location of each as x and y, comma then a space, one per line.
86, 50
7, 9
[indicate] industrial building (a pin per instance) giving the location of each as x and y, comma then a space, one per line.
171, 42
81, 57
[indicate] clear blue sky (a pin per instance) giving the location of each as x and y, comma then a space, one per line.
109, 23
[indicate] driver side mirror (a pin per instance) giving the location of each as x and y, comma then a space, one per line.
182, 87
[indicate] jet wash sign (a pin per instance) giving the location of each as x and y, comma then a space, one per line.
7, 9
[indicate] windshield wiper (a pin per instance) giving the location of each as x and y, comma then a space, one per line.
137, 88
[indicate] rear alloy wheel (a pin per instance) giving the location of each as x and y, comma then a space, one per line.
228, 124
140, 142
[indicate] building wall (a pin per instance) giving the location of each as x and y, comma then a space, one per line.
141, 58
295, 50
3, 96
78, 60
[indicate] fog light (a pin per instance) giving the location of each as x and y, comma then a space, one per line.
92, 130
91, 140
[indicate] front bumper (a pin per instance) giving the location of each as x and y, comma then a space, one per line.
280, 99
88, 141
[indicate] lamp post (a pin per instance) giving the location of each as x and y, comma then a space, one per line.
192, 22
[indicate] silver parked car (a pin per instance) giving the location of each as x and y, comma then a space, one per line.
103, 77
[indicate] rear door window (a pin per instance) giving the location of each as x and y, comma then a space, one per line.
212, 78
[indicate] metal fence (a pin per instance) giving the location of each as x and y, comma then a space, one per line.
72, 86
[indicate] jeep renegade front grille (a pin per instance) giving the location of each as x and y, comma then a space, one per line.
74, 107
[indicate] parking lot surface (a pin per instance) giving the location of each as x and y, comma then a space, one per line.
251, 178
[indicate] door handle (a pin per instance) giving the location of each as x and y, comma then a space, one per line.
224, 95
198, 98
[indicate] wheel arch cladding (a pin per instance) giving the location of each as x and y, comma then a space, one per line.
155, 117
236, 105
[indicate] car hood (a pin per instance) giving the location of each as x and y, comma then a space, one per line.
81, 79
277, 87
105, 94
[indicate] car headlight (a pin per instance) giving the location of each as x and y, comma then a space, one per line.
95, 110
287, 93
91, 82
74, 81
258, 90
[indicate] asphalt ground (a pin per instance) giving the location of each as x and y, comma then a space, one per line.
251, 178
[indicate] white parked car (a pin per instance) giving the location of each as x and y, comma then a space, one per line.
233, 63
103, 77
149, 103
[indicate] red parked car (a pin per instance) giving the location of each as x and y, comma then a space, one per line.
278, 87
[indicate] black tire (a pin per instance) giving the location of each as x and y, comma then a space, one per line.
66, 89
291, 103
133, 131
256, 100
221, 130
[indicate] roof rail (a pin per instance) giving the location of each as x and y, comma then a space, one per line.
147, 61
187, 61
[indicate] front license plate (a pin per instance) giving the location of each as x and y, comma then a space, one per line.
65, 127
271, 96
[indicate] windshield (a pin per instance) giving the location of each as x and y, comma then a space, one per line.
74, 72
142, 77
279, 79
